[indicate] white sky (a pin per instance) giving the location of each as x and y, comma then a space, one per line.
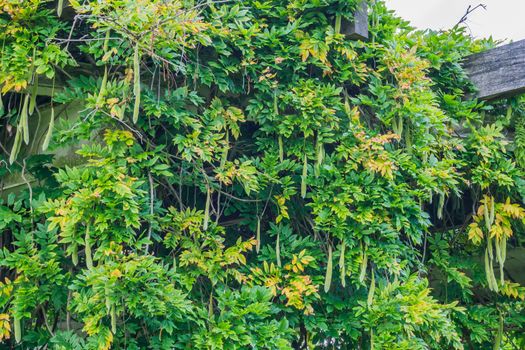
503, 19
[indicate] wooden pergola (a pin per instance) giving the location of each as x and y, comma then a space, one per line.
499, 72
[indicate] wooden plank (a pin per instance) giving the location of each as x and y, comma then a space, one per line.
498, 72
358, 28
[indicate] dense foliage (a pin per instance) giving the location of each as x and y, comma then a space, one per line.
246, 177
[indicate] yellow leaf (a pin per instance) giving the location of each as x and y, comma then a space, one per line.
475, 234
116, 273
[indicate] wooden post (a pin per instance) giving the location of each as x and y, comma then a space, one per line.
499, 72
358, 28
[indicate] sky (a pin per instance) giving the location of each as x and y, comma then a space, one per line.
503, 19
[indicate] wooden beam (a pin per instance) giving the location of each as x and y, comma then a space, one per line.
358, 28
498, 72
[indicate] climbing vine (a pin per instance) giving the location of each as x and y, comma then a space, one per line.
236, 175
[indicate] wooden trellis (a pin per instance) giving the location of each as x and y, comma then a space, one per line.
358, 28
499, 72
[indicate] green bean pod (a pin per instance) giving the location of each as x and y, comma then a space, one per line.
17, 324
24, 119
207, 210
372, 290
49, 133
329, 268
258, 245
16, 146
136, 82
342, 264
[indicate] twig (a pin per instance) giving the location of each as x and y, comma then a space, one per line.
239, 199
469, 11
49, 329
83, 39
71, 32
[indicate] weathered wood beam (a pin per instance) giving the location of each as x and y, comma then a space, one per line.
498, 72
358, 28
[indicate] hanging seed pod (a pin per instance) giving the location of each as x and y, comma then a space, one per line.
487, 270
347, 108
113, 320
16, 146
279, 138
397, 125
500, 261
102, 92
74, 254
60, 7
328, 276
50, 128
364, 264
441, 204
320, 157
103, 85
321, 153
207, 210
493, 277
501, 274
372, 290
337, 26
303, 177
107, 292
136, 82
1, 106
258, 246
488, 223
498, 251
24, 119
17, 324
502, 247
394, 126
105, 47
489, 246
281, 148
492, 212
89, 258
31, 72
34, 94
278, 249
342, 265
